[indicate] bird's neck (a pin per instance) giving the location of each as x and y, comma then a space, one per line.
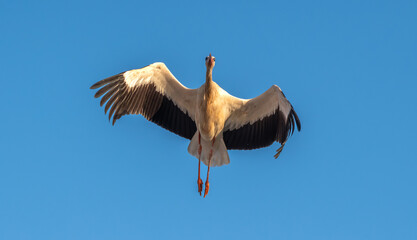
209, 81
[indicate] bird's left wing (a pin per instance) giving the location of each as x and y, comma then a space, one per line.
153, 92
258, 122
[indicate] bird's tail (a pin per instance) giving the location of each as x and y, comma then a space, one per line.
220, 156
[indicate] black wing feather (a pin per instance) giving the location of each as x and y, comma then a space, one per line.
263, 132
145, 100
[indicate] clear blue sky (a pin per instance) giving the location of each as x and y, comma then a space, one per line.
348, 67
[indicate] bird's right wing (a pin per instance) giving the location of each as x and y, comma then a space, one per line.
153, 92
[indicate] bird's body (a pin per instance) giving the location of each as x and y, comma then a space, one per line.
211, 115
211, 118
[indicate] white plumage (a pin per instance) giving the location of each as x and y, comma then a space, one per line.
210, 117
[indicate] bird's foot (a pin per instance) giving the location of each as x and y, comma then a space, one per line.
207, 188
200, 185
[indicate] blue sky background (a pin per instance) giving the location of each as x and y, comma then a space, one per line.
348, 67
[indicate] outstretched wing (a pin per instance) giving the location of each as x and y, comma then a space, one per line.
153, 92
258, 122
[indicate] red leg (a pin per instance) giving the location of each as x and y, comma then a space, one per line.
208, 169
199, 181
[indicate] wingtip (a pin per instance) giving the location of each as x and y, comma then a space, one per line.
279, 150
115, 117
107, 80
297, 120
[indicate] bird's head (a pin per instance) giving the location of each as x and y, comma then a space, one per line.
210, 61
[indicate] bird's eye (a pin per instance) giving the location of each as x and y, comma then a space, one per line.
214, 59
206, 58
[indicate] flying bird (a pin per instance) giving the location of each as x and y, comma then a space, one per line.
211, 118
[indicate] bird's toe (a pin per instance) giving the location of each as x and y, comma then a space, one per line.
200, 185
206, 189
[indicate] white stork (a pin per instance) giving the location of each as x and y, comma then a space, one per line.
210, 117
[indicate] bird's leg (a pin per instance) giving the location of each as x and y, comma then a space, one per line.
208, 169
199, 181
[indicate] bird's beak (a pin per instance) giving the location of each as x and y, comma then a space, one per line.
210, 61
